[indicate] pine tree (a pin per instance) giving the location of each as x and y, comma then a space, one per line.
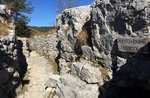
18, 9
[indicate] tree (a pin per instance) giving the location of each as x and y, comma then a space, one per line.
64, 4
18, 8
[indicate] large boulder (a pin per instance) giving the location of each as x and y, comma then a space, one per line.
87, 72
69, 25
72, 87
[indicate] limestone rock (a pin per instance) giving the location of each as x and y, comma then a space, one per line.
70, 24
63, 66
72, 87
113, 19
88, 53
52, 81
2, 9
87, 72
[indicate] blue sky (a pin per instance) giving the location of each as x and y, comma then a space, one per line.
44, 12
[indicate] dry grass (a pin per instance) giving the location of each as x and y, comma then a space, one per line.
3, 29
83, 36
36, 32
104, 72
54, 65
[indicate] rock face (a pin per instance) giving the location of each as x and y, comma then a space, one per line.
10, 80
118, 32
109, 34
119, 35
69, 25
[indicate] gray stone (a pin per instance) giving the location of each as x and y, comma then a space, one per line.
8, 64
110, 21
87, 53
52, 81
2, 9
44, 45
63, 66
87, 72
70, 24
72, 87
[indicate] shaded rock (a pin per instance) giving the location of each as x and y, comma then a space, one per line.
4, 77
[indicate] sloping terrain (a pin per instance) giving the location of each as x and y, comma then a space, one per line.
36, 31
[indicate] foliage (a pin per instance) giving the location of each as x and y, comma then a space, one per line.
18, 8
64, 4
21, 27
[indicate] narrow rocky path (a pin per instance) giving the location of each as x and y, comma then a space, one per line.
37, 74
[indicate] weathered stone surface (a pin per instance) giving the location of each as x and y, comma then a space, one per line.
69, 25
128, 21
87, 53
113, 19
133, 45
113, 24
87, 72
72, 87
2, 9
63, 66
52, 81
9, 68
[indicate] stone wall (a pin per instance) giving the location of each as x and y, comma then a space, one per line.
10, 80
45, 45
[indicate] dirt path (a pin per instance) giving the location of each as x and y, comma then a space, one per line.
37, 74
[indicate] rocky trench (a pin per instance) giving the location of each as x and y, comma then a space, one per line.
90, 58
87, 53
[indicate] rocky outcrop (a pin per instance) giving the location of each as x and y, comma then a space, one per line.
113, 23
10, 78
69, 25
107, 41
